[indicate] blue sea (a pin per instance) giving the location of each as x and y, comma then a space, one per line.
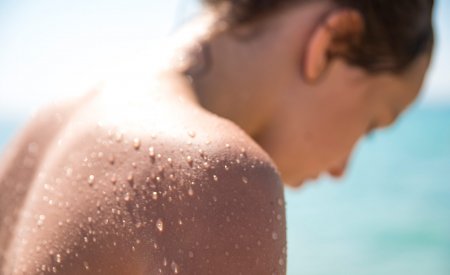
389, 216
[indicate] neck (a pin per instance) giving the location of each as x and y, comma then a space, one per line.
220, 67
237, 74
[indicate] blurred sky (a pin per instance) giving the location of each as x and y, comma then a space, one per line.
53, 48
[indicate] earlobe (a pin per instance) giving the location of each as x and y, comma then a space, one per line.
332, 36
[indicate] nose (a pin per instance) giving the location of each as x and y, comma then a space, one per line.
339, 170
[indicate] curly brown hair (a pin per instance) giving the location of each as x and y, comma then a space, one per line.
396, 31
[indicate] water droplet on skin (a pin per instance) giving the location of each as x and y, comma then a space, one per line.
226, 167
160, 169
274, 236
174, 267
112, 159
159, 225
215, 178
164, 261
58, 258
89, 219
86, 265
189, 160
169, 160
280, 202
127, 197
190, 191
191, 254
151, 152
113, 179
119, 137
41, 220
281, 262
244, 180
227, 145
279, 217
136, 144
130, 178
155, 196
206, 164
91, 179
191, 134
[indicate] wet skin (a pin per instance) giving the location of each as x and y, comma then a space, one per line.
146, 181
139, 184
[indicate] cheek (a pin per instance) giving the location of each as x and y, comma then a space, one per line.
312, 136
337, 129
332, 140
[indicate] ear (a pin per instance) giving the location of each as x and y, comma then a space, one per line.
333, 36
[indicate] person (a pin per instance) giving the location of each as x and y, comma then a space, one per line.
181, 172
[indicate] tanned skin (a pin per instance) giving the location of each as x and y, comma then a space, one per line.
171, 176
139, 185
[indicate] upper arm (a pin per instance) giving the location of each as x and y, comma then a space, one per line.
230, 220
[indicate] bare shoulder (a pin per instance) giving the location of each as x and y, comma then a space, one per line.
173, 190
237, 210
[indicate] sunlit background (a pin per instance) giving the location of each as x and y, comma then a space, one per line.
390, 215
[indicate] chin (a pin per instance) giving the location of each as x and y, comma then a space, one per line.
293, 182
294, 185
